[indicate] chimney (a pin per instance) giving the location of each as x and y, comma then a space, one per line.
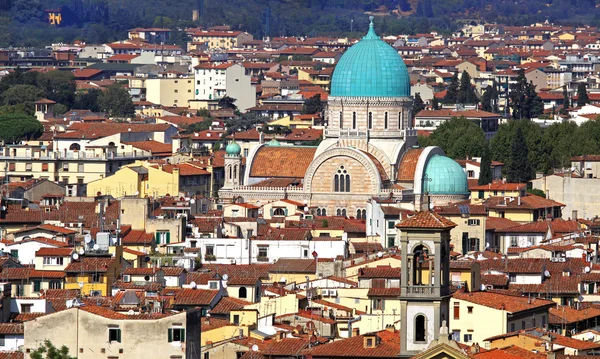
519, 200
574, 215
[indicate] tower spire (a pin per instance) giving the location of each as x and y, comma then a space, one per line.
371, 35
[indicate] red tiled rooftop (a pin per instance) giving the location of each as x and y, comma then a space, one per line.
512, 304
426, 219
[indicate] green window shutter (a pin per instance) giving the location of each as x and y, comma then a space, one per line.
272, 211
182, 335
285, 211
119, 335
37, 285
170, 335
168, 237
157, 236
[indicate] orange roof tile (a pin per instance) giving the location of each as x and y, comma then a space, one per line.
408, 165
292, 161
426, 219
511, 304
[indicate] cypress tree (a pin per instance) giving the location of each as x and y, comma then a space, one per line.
418, 105
452, 92
466, 93
485, 167
519, 169
582, 95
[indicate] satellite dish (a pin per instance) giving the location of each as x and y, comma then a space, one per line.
147, 278
587, 269
282, 280
87, 238
192, 201
547, 274
81, 284
146, 259
131, 312
572, 169
482, 287
75, 256
255, 348
225, 277
193, 285
96, 246
69, 303
81, 251
379, 254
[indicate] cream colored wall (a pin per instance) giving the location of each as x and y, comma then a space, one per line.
39, 264
527, 343
291, 209
280, 305
487, 194
161, 183
234, 291
75, 328
494, 324
477, 231
170, 92
291, 277
124, 181
360, 180
223, 333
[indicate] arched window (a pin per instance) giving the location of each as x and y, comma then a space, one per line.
370, 120
341, 180
243, 293
341, 120
324, 212
420, 255
354, 120
234, 172
343, 212
400, 120
361, 214
385, 121
279, 211
420, 328
75, 147
338, 212
230, 172
111, 144
318, 211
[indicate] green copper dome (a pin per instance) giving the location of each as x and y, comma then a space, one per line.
233, 148
371, 68
444, 176
274, 143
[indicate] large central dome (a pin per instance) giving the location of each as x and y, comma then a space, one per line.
370, 68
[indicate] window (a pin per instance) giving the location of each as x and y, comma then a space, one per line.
400, 120
26, 308
206, 355
236, 319
210, 250
263, 251
543, 321
28, 167
513, 241
80, 167
37, 285
235, 213
473, 222
163, 237
378, 304
370, 121
65, 167
279, 211
468, 338
481, 194
356, 301
341, 180
243, 292
354, 120
14, 253
391, 224
341, 212
470, 310
114, 335
96, 278
530, 241
391, 242
213, 285
522, 324
420, 328
53, 261
54, 284
385, 120
341, 120
2, 340
176, 335
361, 214
456, 310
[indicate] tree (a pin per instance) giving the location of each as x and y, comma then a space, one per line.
489, 100
404, 5
536, 192
227, 102
418, 105
582, 95
18, 94
452, 92
203, 112
89, 100
519, 168
313, 105
116, 101
485, 167
566, 102
435, 103
198, 126
18, 126
49, 351
466, 92
502, 142
524, 101
459, 138
59, 86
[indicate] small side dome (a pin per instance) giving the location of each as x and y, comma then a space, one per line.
445, 177
233, 149
274, 143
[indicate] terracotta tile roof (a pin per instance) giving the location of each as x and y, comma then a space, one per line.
498, 223
288, 347
99, 130
11, 355
496, 280
134, 252
383, 292
327, 304
25, 317
284, 161
205, 224
563, 314
186, 169
86, 73
367, 247
50, 228
141, 271
90, 264
554, 285
501, 353
408, 165
136, 237
533, 265
388, 347
293, 265
54, 252
426, 219
148, 286
279, 234
11, 328
379, 272
154, 147
512, 304
279, 182
527, 202
111, 314
348, 225
314, 317
500, 186
227, 304
189, 296
29, 272
61, 293
238, 270
247, 281
462, 264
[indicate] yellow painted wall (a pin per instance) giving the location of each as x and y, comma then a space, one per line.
223, 333
494, 323
522, 216
281, 305
352, 272
102, 286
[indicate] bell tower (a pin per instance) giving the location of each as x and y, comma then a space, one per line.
425, 280
233, 165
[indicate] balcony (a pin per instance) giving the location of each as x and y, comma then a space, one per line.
262, 259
